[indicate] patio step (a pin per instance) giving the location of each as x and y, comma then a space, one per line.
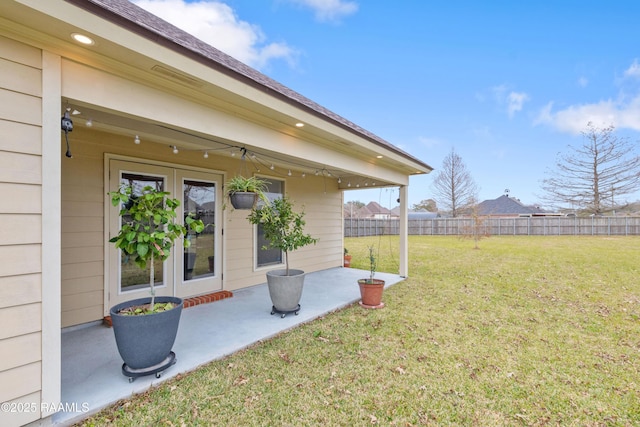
190, 302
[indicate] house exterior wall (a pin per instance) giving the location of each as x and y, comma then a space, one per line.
20, 229
83, 207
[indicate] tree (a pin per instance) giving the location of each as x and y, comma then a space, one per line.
596, 174
428, 205
474, 228
352, 207
453, 187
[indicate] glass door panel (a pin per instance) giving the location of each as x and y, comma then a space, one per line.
133, 277
200, 202
126, 280
200, 270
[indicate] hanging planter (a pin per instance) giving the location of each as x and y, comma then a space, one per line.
243, 199
244, 192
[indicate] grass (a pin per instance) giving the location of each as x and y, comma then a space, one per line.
527, 331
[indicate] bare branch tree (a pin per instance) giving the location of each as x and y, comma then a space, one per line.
593, 176
453, 187
474, 228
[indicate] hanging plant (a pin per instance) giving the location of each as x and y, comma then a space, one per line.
244, 192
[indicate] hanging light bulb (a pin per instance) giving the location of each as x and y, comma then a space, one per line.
271, 167
136, 140
289, 173
89, 123
175, 150
206, 155
304, 175
349, 184
233, 154
339, 180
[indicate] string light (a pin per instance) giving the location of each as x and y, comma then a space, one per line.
206, 155
289, 173
89, 123
271, 167
136, 140
175, 150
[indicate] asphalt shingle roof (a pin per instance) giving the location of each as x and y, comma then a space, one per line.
505, 205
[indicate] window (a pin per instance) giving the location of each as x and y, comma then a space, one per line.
269, 256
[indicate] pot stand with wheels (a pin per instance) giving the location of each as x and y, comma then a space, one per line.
285, 291
155, 369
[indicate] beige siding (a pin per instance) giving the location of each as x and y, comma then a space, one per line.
83, 197
21, 384
322, 202
20, 228
20, 350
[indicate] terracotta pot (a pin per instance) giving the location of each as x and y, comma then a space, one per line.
371, 293
347, 260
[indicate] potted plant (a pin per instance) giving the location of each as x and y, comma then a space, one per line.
145, 328
370, 288
245, 192
347, 258
283, 228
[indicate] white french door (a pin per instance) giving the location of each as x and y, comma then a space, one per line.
188, 271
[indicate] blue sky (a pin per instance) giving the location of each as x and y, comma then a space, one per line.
507, 84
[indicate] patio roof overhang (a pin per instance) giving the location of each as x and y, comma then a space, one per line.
131, 45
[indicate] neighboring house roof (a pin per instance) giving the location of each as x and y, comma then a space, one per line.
505, 205
423, 215
138, 20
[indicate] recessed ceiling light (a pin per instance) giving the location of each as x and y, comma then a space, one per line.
81, 38
299, 125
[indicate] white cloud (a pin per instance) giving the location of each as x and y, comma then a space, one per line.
583, 82
633, 70
329, 10
515, 101
573, 119
217, 24
623, 112
512, 101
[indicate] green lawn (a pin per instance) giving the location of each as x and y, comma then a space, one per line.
525, 331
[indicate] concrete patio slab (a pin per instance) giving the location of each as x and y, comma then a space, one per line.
91, 365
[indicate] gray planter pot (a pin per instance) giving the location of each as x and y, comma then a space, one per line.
243, 200
146, 341
285, 291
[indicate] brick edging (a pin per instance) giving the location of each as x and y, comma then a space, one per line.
189, 302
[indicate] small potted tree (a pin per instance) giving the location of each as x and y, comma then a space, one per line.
347, 258
283, 228
145, 328
244, 192
370, 288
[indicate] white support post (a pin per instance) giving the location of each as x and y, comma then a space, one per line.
404, 231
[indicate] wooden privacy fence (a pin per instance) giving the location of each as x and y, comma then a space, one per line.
526, 226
